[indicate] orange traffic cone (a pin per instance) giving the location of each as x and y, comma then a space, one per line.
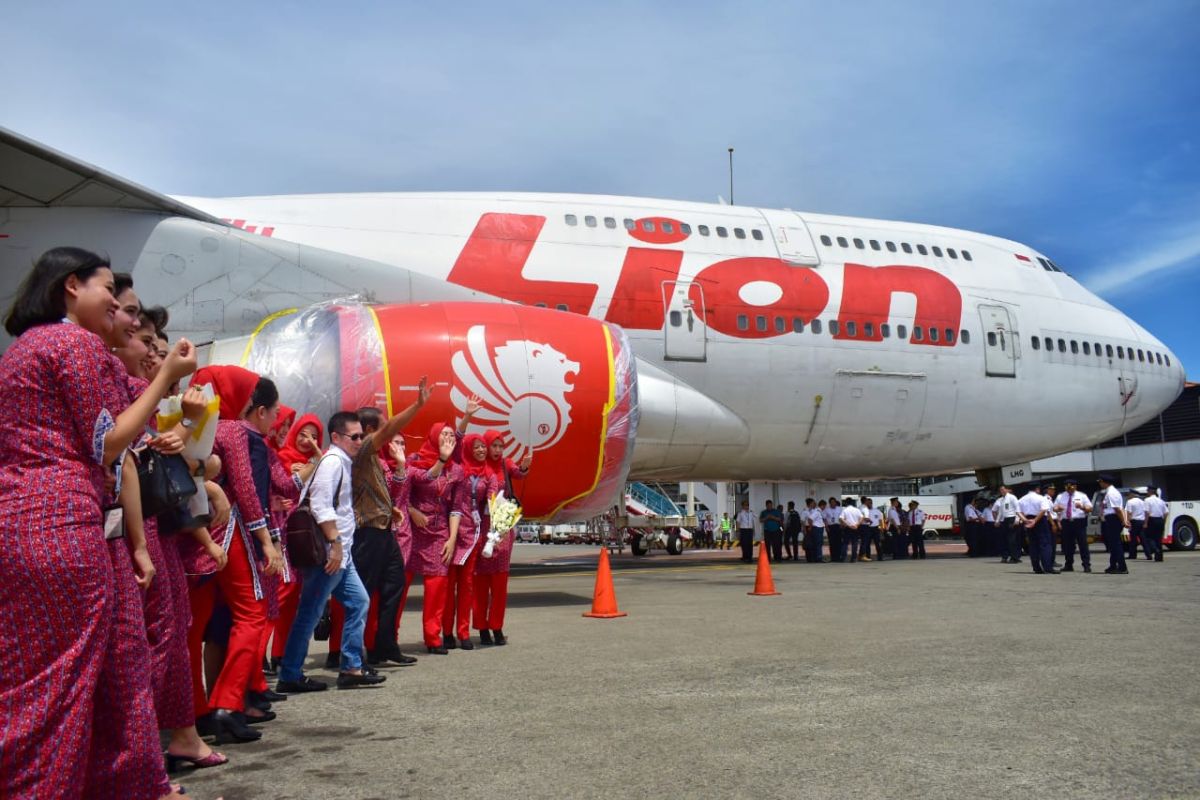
764, 584
604, 599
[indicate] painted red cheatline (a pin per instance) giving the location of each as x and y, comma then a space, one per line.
1023, 258
268, 230
494, 257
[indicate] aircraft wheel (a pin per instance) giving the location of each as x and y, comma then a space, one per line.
675, 543
637, 544
1185, 535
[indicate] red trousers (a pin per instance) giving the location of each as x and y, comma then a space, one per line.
437, 589
243, 657
491, 600
456, 615
289, 603
204, 598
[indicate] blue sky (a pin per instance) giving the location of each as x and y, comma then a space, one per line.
1072, 126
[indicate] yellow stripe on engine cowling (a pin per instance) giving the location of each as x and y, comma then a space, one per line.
609, 406
387, 376
267, 321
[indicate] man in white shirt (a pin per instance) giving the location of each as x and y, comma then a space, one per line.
916, 529
745, 529
1135, 510
896, 526
850, 519
833, 529
1073, 507
1032, 509
814, 532
331, 502
870, 531
1156, 523
1010, 527
1112, 522
971, 527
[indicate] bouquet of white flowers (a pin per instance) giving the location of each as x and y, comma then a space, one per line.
505, 514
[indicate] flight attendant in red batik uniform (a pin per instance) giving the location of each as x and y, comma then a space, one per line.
299, 455
76, 709
166, 605
478, 485
491, 574
249, 541
400, 485
437, 502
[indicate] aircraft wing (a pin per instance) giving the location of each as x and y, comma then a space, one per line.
32, 174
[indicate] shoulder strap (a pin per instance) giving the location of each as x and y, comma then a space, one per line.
313, 477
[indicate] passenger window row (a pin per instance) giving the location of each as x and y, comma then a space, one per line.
852, 328
1051, 344
875, 244
666, 226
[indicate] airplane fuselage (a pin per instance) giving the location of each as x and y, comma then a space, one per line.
832, 347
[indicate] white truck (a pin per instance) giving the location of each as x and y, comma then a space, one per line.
939, 512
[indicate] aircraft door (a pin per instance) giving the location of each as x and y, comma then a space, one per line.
685, 335
1000, 342
791, 237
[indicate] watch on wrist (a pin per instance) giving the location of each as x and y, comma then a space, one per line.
188, 423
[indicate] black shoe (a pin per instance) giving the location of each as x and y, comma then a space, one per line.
1087, 569
1121, 572
449, 642
397, 657
369, 670
271, 697
1004, 560
349, 680
305, 684
231, 729
374, 658
266, 717
499, 636
333, 660
254, 701
205, 726
1014, 561
1039, 572
1110, 570
1158, 558
275, 664
485, 638
1053, 571
268, 668
466, 644
1069, 568
436, 651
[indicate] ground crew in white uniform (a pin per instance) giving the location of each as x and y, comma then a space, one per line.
1073, 507
1156, 523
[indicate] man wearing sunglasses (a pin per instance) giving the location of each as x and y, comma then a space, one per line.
333, 508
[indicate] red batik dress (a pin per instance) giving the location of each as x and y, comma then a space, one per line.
478, 485
438, 499
491, 574
76, 709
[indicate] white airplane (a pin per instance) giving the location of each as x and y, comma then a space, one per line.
678, 341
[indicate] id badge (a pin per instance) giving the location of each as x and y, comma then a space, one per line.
114, 523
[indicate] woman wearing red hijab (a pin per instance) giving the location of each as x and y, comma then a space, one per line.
479, 484
245, 476
437, 498
299, 455
282, 427
491, 574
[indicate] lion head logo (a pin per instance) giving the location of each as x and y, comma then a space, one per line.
522, 386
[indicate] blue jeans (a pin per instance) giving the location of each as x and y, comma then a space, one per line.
346, 586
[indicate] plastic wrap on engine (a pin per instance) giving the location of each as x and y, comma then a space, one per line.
619, 437
323, 359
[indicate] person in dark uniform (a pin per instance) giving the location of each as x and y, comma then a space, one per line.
814, 531
1156, 523
1073, 507
792, 528
771, 519
971, 527
1112, 522
1033, 510
916, 528
897, 522
833, 529
1135, 512
1010, 527
745, 529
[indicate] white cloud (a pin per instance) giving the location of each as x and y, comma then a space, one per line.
1181, 250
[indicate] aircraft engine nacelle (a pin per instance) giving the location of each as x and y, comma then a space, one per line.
559, 386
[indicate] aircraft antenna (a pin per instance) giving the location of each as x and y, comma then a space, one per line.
731, 176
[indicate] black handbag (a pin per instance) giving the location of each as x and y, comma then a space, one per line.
166, 482
324, 625
306, 545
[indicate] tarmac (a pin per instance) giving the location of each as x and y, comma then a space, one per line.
944, 678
